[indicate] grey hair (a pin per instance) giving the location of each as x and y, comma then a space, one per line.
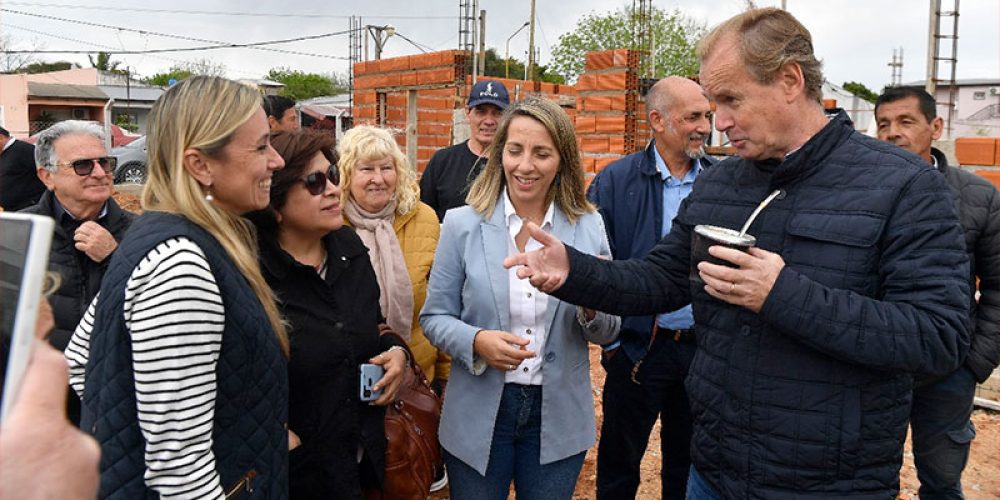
45, 154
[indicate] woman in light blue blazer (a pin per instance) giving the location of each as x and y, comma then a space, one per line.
518, 405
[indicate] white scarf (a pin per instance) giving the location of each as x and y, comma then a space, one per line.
375, 230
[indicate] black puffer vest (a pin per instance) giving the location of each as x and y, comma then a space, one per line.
251, 407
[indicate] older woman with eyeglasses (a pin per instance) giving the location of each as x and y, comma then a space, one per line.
328, 293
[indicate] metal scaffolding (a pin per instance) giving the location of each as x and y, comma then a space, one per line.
938, 51
642, 35
896, 78
354, 49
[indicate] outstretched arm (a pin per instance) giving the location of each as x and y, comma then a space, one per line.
653, 284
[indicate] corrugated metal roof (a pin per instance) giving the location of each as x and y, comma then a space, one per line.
64, 91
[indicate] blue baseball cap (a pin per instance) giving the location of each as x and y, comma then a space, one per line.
488, 92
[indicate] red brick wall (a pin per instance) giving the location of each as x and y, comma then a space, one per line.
610, 121
604, 104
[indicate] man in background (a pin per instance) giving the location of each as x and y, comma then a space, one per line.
281, 114
638, 197
75, 168
19, 185
939, 418
446, 179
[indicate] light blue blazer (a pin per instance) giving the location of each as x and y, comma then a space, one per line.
468, 292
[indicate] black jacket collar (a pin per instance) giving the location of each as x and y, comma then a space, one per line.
812, 154
342, 246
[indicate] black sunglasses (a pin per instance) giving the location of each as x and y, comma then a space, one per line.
316, 181
85, 166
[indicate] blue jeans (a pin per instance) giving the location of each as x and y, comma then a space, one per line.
631, 409
942, 433
514, 455
698, 489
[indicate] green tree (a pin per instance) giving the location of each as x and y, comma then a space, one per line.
46, 67
163, 79
103, 62
300, 85
186, 70
496, 66
674, 38
859, 89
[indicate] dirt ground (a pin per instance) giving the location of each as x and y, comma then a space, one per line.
981, 479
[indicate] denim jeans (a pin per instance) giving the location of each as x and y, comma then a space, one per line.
698, 489
942, 433
514, 455
630, 411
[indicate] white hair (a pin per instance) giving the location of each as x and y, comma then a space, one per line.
45, 154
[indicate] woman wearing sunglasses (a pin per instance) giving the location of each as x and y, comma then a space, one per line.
327, 292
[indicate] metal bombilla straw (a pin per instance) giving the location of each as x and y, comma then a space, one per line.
777, 193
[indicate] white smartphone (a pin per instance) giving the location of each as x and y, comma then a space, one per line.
370, 374
24, 257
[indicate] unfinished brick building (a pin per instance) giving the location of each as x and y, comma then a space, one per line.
423, 98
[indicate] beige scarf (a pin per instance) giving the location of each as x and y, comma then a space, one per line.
375, 230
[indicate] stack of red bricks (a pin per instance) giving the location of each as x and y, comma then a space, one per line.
609, 119
435, 77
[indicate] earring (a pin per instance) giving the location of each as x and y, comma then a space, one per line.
208, 194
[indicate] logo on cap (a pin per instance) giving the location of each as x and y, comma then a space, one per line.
489, 91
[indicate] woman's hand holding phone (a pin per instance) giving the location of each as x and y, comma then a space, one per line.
393, 362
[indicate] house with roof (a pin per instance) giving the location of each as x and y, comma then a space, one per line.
977, 106
32, 103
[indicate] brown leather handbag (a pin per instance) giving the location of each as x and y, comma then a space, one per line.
411, 432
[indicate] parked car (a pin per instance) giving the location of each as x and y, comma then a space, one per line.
131, 167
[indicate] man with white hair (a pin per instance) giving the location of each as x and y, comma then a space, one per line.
77, 172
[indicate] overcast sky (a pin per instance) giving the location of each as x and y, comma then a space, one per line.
854, 38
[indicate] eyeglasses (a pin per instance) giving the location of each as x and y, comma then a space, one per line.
85, 166
316, 181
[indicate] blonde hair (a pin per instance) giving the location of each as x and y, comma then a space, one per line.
202, 113
365, 143
767, 39
567, 191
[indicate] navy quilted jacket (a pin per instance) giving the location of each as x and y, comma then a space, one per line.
811, 396
80, 279
251, 407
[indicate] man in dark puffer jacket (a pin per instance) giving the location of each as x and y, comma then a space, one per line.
942, 406
89, 224
801, 383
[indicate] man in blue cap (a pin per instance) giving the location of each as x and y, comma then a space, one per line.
446, 180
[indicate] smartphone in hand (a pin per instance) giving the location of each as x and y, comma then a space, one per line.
24, 257
370, 375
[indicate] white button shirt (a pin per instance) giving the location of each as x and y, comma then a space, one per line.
527, 304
